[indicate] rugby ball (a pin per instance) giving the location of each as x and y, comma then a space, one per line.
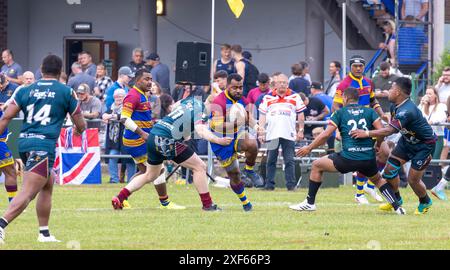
237, 113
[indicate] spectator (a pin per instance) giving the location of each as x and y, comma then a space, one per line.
28, 78
436, 113
262, 89
12, 70
305, 68
382, 83
411, 40
225, 63
298, 83
138, 63
443, 85
124, 76
90, 106
114, 133
166, 105
335, 72
317, 92
443, 89
418, 9
63, 77
102, 81
80, 77
389, 43
7, 88
279, 111
190, 91
245, 68
88, 67
155, 103
160, 72
220, 78
315, 110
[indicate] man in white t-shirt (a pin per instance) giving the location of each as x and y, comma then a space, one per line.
281, 122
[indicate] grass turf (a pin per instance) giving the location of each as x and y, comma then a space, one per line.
82, 217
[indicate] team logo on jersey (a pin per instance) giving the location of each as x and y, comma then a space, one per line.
7, 155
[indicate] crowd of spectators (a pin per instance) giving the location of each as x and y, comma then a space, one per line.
101, 98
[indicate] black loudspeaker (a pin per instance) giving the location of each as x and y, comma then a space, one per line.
193, 63
432, 176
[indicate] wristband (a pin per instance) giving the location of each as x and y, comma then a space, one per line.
130, 124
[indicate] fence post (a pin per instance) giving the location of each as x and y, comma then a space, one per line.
414, 87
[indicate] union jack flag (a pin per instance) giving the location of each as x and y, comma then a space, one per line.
78, 158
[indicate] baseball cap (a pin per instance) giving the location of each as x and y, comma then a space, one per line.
357, 59
126, 71
153, 56
247, 55
83, 88
316, 85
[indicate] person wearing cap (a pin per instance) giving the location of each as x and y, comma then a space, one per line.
90, 105
367, 98
160, 72
80, 77
124, 77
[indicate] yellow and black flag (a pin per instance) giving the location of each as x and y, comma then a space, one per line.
236, 6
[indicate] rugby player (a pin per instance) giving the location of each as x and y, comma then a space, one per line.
416, 144
45, 105
356, 155
222, 125
137, 117
165, 142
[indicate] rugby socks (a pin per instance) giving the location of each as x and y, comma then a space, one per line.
206, 200
360, 181
164, 200
425, 199
370, 184
312, 191
397, 195
3, 223
390, 195
123, 194
44, 231
240, 192
12, 191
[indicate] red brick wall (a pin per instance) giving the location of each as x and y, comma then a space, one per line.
3, 23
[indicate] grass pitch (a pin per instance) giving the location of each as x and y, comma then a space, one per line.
83, 218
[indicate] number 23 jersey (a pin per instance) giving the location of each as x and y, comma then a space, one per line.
351, 117
45, 105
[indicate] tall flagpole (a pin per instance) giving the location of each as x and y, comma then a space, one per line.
210, 157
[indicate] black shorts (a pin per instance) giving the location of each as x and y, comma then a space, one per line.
420, 154
160, 149
343, 165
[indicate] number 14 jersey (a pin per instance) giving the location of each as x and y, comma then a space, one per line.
45, 105
351, 117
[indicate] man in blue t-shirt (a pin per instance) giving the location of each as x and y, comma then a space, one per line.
124, 77
160, 72
11, 69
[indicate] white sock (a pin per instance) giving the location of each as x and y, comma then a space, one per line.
442, 184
